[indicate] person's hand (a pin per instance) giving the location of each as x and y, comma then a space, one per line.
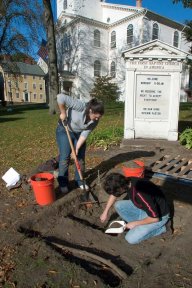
62, 116
103, 217
131, 225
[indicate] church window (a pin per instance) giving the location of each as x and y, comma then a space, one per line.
176, 39
130, 34
155, 33
113, 39
97, 42
69, 42
65, 4
97, 68
66, 43
113, 69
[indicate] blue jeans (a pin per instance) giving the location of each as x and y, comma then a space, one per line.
64, 155
129, 212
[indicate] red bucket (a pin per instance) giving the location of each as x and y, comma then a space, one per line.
43, 188
134, 172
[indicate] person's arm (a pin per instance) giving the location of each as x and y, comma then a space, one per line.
80, 142
64, 101
110, 203
62, 110
84, 135
147, 220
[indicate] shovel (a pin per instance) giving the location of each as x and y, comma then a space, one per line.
85, 197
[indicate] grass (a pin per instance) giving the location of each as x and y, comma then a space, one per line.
28, 133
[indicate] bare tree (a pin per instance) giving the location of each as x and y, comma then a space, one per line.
53, 71
186, 3
20, 25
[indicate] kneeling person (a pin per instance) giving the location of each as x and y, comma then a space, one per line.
147, 211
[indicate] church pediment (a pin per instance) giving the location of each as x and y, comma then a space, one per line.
155, 48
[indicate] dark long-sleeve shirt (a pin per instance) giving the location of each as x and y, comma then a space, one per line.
147, 196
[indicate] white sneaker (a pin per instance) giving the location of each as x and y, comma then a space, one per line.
82, 187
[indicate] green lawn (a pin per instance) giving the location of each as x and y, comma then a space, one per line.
28, 134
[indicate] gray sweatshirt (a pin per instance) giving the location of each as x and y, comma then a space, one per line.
76, 115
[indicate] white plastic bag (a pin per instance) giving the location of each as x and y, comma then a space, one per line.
11, 177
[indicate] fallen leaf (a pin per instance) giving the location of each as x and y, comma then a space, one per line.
53, 271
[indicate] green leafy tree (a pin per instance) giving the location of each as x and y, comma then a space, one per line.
105, 90
186, 3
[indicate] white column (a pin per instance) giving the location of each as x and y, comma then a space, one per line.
129, 130
174, 106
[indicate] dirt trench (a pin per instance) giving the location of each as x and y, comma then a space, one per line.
70, 226
43, 241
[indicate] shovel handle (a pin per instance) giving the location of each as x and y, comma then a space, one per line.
73, 151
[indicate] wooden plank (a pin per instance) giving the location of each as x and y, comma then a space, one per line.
153, 162
185, 170
184, 161
172, 164
162, 163
175, 166
189, 175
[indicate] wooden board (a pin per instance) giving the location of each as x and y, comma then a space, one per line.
176, 166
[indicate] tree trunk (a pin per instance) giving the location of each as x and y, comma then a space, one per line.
52, 55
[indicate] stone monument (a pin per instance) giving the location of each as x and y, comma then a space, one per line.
152, 93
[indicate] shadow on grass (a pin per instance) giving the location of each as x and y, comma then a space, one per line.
2, 120
17, 109
185, 106
183, 125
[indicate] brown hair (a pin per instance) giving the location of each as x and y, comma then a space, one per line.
116, 184
96, 106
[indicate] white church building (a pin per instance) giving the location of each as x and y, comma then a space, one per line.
92, 37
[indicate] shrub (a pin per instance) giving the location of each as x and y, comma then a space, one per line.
185, 138
105, 138
105, 89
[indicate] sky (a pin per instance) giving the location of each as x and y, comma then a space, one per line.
165, 8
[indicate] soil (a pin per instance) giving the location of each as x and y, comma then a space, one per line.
64, 244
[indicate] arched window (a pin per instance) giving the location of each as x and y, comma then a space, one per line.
176, 39
68, 42
97, 68
155, 33
97, 38
113, 69
65, 4
113, 39
65, 43
130, 34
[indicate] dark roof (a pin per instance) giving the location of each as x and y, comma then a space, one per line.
22, 68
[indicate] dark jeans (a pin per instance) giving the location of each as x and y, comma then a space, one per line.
64, 155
